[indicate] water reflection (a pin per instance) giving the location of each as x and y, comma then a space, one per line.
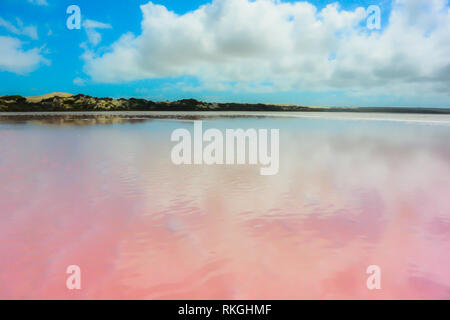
349, 194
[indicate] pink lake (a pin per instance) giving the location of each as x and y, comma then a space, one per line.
102, 193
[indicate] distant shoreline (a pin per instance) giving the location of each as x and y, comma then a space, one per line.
64, 102
115, 117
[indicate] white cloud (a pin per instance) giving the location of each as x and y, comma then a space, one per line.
20, 29
90, 27
79, 81
39, 2
14, 59
270, 45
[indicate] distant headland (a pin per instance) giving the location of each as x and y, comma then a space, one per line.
60, 101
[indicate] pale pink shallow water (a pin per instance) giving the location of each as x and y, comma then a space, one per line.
105, 196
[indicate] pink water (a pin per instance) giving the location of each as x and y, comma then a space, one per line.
105, 196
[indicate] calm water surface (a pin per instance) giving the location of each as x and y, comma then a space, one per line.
102, 193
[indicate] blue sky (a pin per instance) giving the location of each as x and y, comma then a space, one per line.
69, 62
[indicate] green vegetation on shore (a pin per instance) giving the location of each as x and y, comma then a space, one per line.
80, 102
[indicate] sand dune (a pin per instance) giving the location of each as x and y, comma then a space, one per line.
48, 95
